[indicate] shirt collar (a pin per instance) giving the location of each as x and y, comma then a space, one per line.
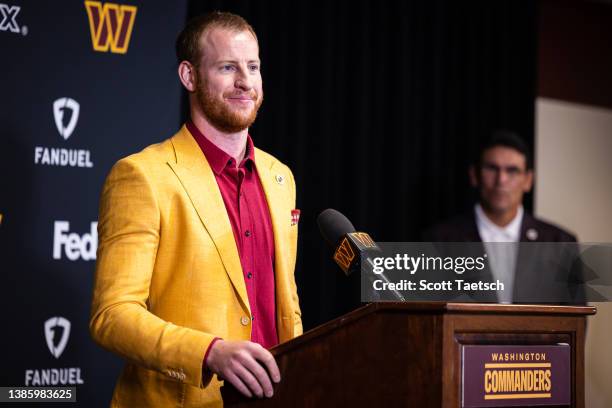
512, 230
216, 157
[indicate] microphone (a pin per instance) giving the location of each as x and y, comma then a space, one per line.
350, 247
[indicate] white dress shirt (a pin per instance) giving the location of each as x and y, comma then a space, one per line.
501, 252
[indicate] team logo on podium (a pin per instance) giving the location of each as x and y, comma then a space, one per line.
60, 108
53, 327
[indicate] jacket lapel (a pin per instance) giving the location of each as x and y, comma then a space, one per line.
199, 182
524, 271
274, 184
270, 186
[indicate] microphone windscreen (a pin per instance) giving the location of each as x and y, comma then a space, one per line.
333, 225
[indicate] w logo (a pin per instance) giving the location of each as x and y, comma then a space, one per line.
110, 25
57, 332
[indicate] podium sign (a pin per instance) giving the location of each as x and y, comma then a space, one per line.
510, 376
433, 354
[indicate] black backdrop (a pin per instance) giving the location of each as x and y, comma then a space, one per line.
378, 106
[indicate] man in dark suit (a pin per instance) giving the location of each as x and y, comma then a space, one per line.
502, 174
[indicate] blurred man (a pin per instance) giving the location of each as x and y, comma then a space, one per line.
502, 174
197, 240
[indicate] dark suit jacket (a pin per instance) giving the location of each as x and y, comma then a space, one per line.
544, 273
463, 229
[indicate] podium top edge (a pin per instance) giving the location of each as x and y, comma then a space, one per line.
434, 308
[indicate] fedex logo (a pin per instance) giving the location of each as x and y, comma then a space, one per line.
73, 245
9, 19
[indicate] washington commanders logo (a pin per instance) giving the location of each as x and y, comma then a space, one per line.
57, 343
110, 25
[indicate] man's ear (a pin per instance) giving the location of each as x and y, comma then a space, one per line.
473, 176
528, 181
187, 74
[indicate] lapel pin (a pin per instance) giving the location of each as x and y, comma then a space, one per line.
279, 179
532, 234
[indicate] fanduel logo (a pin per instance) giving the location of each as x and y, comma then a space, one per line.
53, 156
52, 326
57, 333
66, 115
110, 26
9, 19
74, 246
61, 106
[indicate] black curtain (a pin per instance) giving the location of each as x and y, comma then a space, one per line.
378, 108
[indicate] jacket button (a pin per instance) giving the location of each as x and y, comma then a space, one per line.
245, 320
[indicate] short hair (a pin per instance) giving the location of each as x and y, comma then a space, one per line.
506, 138
187, 43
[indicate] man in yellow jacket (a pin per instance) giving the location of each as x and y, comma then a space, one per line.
197, 240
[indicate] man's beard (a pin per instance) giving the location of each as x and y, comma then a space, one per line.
219, 114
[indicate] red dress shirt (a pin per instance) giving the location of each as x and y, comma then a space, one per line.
249, 216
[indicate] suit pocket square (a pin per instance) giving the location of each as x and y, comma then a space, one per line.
295, 217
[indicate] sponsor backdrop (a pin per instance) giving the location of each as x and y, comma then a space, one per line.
83, 84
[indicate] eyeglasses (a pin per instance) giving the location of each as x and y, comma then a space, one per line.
511, 171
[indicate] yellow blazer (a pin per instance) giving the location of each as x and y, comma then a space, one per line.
168, 275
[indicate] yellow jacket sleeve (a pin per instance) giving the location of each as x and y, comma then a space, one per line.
129, 234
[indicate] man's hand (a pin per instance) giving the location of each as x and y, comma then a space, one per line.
244, 364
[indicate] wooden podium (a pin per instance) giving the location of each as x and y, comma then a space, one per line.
412, 355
